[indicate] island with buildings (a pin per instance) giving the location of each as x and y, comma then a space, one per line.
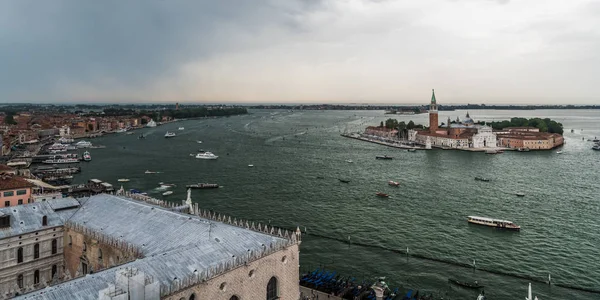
466, 134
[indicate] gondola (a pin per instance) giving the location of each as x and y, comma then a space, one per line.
482, 179
344, 180
469, 285
380, 194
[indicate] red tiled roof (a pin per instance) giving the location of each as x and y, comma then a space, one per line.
9, 182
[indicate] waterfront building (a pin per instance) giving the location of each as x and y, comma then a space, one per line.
14, 190
136, 247
31, 245
460, 134
533, 140
64, 131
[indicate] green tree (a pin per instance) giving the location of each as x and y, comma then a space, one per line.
10, 120
410, 125
391, 123
381, 124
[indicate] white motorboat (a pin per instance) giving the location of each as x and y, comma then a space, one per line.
520, 194
87, 156
199, 142
121, 130
559, 152
180, 128
151, 123
151, 172
123, 180
167, 193
170, 134
349, 161
251, 166
206, 155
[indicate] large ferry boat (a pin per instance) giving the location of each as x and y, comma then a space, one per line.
83, 144
502, 224
61, 161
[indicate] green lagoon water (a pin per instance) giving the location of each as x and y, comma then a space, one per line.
427, 213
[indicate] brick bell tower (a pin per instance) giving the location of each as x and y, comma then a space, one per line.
433, 114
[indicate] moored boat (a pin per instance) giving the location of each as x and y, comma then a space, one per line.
497, 223
493, 151
202, 186
393, 183
123, 180
151, 123
523, 149
61, 161
470, 285
383, 195
83, 144
412, 150
167, 193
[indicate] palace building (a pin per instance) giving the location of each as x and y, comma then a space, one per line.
130, 246
459, 134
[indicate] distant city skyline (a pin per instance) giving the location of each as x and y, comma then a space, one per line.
376, 52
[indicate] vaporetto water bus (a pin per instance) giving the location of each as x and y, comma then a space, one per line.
497, 223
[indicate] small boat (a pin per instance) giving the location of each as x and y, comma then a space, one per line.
596, 147
497, 223
180, 128
141, 136
130, 133
380, 194
349, 161
251, 166
520, 194
492, 151
523, 149
170, 134
412, 150
83, 144
150, 172
123, 180
481, 296
206, 155
167, 185
121, 130
482, 179
320, 177
393, 183
342, 180
559, 152
87, 156
383, 157
199, 142
202, 186
167, 193
469, 285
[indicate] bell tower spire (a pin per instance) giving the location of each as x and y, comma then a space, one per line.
433, 113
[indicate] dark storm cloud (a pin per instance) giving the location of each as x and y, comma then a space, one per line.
45, 43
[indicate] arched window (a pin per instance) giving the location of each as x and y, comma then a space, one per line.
20, 255
36, 277
192, 297
44, 221
84, 246
20, 281
36, 251
99, 254
234, 297
54, 246
54, 270
70, 240
272, 289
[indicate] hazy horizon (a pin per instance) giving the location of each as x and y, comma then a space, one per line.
377, 52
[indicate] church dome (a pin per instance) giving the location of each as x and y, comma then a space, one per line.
467, 120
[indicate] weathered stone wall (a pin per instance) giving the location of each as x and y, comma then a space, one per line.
10, 269
75, 254
250, 281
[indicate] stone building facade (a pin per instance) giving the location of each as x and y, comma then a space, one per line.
31, 246
117, 247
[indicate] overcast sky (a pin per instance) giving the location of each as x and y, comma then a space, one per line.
300, 51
